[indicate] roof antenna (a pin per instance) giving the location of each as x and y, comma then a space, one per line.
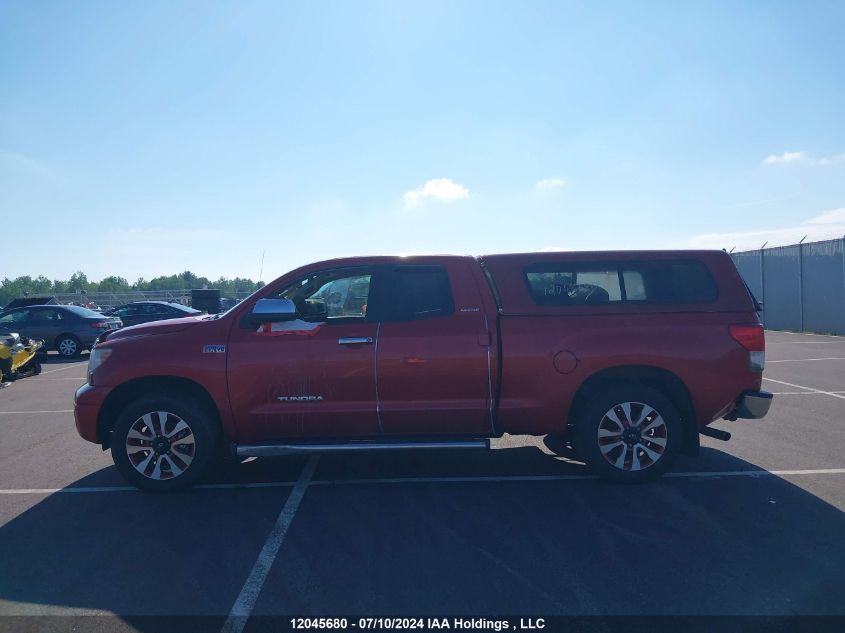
764, 245
803, 238
732, 250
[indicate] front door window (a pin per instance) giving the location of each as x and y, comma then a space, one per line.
331, 295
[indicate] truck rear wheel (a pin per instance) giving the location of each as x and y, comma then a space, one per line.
162, 442
629, 433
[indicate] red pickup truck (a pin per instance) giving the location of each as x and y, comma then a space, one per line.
625, 356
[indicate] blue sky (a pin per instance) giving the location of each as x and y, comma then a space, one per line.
148, 138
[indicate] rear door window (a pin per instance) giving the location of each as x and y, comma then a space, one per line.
419, 292
48, 315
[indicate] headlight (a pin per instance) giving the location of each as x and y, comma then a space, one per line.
98, 356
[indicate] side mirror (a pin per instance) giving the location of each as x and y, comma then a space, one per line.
272, 311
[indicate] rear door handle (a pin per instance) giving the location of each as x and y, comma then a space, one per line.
355, 340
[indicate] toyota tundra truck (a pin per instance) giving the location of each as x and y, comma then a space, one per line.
624, 357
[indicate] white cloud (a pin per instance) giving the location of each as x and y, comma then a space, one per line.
834, 216
550, 183
825, 226
444, 189
786, 157
801, 157
832, 160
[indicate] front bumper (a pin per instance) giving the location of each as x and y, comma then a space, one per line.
752, 405
86, 408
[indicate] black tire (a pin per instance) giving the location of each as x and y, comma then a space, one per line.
68, 346
203, 449
633, 448
6, 373
32, 368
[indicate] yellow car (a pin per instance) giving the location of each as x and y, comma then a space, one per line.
18, 358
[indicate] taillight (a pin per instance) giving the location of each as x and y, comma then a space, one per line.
100, 325
752, 338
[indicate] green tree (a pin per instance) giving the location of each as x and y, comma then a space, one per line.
113, 284
189, 280
78, 282
42, 286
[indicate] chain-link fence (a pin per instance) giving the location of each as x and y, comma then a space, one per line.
802, 286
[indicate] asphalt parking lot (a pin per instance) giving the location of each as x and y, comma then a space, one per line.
753, 526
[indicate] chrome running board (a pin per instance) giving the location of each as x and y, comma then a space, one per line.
300, 448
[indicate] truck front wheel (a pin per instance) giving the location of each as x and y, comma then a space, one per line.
162, 442
629, 433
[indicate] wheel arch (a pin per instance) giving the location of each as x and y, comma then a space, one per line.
663, 380
125, 393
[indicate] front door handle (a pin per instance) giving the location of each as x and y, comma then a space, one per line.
355, 340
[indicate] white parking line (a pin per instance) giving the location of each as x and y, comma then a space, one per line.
703, 474
23, 412
803, 393
74, 366
801, 334
51, 491
814, 342
759, 473
804, 360
678, 475
84, 489
246, 600
791, 384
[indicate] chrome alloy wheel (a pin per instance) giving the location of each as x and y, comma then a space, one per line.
160, 445
67, 347
632, 436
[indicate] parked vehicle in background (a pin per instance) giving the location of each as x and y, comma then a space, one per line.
628, 356
227, 304
18, 357
147, 311
66, 329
